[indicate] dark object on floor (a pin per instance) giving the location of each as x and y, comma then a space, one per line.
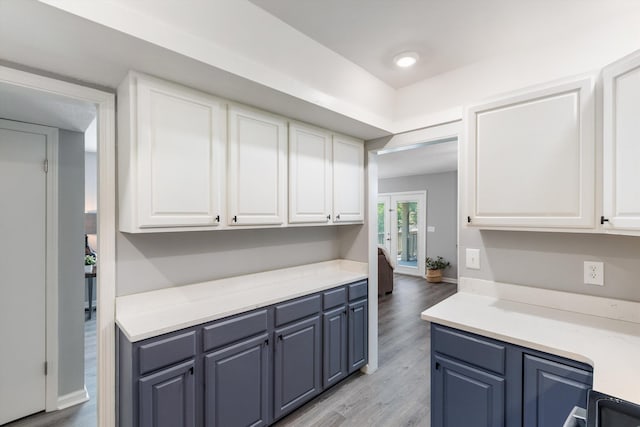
385, 273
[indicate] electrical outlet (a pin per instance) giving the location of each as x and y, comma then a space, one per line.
594, 273
473, 259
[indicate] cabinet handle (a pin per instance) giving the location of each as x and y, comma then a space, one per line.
218, 218
437, 366
353, 309
328, 217
603, 220
266, 342
280, 337
345, 312
338, 217
191, 370
469, 219
234, 219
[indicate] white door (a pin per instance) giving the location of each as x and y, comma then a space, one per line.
621, 143
22, 271
348, 179
309, 174
257, 191
407, 218
181, 157
384, 222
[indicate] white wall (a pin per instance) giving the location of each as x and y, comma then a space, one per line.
442, 207
441, 98
71, 260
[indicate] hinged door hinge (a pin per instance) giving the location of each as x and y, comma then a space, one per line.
46, 368
45, 166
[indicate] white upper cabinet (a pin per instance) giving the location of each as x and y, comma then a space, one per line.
310, 174
621, 145
257, 169
348, 179
171, 156
531, 159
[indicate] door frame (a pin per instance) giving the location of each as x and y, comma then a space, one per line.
421, 197
106, 275
51, 255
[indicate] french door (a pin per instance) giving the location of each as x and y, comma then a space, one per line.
402, 219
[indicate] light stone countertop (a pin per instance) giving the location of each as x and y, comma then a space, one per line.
153, 313
584, 333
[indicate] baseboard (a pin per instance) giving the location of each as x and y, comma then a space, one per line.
73, 398
450, 280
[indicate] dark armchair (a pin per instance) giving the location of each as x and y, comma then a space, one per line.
385, 272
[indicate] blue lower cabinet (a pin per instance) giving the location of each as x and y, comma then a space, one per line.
335, 344
358, 335
551, 390
464, 396
478, 381
297, 365
168, 397
236, 384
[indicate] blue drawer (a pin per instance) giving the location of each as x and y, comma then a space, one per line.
470, 348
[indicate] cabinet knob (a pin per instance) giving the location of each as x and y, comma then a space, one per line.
217, 218
603, 220
437, 366
280, 337
328, 217
338, 217
345, 312
191, 370
234, 219
266, 342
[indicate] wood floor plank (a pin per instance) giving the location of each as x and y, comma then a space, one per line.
398, 394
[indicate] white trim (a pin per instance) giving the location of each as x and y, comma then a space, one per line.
74, 398
449, 280
105, 105
52, 272
372, 217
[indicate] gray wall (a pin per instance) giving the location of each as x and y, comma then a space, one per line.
154, 261
555, 260
442, 208
71, 255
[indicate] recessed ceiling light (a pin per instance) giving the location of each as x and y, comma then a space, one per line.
406, 59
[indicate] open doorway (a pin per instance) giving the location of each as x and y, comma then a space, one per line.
417, 206
42, 136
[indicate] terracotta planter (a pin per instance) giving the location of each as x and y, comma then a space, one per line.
434, 276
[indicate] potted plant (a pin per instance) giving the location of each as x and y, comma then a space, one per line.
434, 268
89, 263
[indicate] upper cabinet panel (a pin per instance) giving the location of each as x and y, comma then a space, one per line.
348, 179
621, 145
172, 155
257, 180
310, 175
531, 159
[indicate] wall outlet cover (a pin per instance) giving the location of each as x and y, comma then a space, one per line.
431, 229
473, 259
594, 273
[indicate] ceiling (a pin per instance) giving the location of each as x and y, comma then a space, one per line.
446, 34
32, 106
433, 157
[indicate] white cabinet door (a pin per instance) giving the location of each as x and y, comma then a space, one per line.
257, 180
348, 179
309, 174
178, 143
621, 150
531, 159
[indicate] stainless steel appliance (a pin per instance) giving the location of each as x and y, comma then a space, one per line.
608, 411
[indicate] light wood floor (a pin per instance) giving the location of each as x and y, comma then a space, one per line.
398, 394
84, 415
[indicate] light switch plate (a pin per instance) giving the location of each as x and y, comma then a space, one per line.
473, 259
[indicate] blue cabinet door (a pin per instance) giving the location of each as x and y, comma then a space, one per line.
358, 335
167, 397
297, 365
335, 346
551, 390
237, 384
464, 396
